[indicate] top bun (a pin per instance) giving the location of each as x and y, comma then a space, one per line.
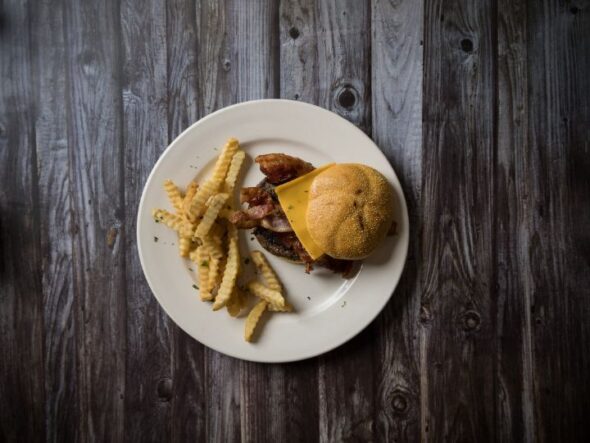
350, 210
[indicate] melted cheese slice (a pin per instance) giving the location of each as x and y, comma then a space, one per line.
294, 198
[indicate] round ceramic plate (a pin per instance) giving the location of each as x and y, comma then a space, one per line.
329, 310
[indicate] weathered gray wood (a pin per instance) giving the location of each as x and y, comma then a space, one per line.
396, 89
217, 79
145, 135
262, 387
188, 381
22, 389
514, 382
298, 81
457, 342
557, 217
62, 416
346, 394
94, 110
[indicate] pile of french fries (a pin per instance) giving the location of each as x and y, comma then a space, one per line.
211, 242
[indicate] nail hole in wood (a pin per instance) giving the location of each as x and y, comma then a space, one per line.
226, 65
164, 389
294, 33
467, 45
574, 10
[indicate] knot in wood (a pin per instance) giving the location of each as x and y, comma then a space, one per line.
164, 389
425, 314
467, 45
226, 65
347, 97
294, 33
400, 402
471, 321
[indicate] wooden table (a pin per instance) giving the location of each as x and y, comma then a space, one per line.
483, 109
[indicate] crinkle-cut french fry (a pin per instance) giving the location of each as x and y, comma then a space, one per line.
273, 297
268, 274
216, 203
253, 318
174, 194
233, 171
287, 308
216, 266
213, 248
216, 233
233, 305
173, 221
184, 246
231, 270
211, 186
191, 190
201, 260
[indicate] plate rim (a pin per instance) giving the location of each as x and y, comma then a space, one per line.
345, 337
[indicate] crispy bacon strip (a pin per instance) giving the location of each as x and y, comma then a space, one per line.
255, 196
280, 168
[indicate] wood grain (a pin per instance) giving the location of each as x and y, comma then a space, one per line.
457, 345
397, 129
22, 411
188, 381
483, 109
217, 79
51, 142
346, 395
514, 371
145, 135
558, 215
262, 387
95, 139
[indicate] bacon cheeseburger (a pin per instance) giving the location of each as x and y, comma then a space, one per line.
328, 217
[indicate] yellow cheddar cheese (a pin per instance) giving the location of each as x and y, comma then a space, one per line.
294, 197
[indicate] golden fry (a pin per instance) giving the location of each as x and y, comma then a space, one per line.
253, 318
273, 297
231, 270
268, 274
174, 194
217, 202
233, 171
211, 186
201, 260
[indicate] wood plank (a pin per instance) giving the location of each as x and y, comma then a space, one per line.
458, 351
345, 377
22, 389
262, 387
513, 375
62, 420
148, 365
397, 31
217, 80
92, 33
299, 81
189, 383
558, 216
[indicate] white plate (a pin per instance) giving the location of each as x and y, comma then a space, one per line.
329, 310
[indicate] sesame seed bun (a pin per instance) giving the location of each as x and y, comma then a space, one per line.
350, 210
